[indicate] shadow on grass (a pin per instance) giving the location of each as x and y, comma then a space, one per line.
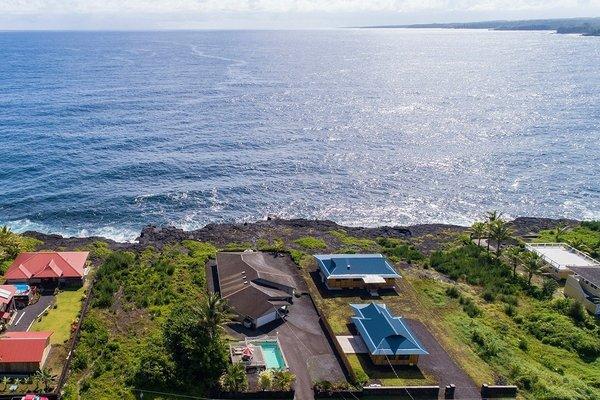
361, 293
385, 372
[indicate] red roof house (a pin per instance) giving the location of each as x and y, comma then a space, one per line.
23, 352
7, 305
44, 267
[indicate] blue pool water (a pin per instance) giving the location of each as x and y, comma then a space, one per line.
273, 355
22, 288
102, 133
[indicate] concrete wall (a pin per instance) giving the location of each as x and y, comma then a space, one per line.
498, 392
573, 289
385, 393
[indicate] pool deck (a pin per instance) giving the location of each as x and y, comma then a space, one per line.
256, 362
562, 255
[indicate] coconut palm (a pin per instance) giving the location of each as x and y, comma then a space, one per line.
216, 312
45, 377
493, 215
265, 380
500, 232
533, 265
579, 245
5, 382
17, 383
235, 378
478, 230
283, 380
559, 231
515, 256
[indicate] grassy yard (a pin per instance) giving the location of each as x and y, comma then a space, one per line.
59, 319
336, 308
497, 347
399, 376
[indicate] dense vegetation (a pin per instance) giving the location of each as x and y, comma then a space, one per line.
11, 245
151, 325
547, 346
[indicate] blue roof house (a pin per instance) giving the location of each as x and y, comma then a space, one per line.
356, 271
387, 338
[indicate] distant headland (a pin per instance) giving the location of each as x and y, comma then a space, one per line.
583, 26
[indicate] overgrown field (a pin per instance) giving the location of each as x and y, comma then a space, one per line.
547, 345
146, 329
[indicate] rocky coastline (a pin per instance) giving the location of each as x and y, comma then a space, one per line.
428, 236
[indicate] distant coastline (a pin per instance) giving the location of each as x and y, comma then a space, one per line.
582, 26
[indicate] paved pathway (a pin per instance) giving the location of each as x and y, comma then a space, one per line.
352, 344
439, 364
27, 315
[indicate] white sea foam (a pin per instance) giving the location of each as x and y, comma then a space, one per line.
123, 235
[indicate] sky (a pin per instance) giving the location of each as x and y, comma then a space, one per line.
271, 14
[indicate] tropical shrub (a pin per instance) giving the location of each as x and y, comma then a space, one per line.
311, 243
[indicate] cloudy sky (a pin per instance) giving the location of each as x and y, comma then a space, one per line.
292, 14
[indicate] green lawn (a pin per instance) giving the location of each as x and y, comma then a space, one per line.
59, 319
399, 376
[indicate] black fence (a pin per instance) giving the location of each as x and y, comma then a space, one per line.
275, 395
388, 392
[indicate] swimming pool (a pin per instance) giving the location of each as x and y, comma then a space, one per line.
22, 288
273, 355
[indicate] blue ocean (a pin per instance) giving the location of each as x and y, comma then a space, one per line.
102, 133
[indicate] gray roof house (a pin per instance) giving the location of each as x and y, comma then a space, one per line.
257, 292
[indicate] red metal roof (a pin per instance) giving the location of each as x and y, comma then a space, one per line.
48, 265
16, 347
6, 293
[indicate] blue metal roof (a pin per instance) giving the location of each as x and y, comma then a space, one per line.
383, 333
347, 265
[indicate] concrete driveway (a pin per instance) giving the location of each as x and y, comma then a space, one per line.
439, 364
309, 353
25, 317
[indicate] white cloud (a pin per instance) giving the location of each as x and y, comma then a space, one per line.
278, 6
248, 13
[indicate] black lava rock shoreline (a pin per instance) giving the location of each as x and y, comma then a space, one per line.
429, 235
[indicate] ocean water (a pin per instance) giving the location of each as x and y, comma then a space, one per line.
105, 132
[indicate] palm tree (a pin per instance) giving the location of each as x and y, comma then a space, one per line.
216, 312
5, 382
17, 383
579, 245
265, 380
500, 232
533, 265
478, 230
235, 378
283, 380
515, 256
559, 231
45, 376
493, 215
